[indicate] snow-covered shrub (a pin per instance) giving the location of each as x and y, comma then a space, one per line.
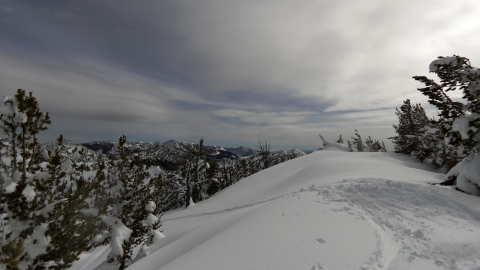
357, 144
467, 174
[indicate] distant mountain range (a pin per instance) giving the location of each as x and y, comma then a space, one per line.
180, 147
168, 154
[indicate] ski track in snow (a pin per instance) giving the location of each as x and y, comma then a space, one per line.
228, 209
404, 216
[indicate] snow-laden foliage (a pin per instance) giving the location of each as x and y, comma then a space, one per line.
412, 121
42, 223
132, 215
358, 145
59, 200
455, 136
467, 174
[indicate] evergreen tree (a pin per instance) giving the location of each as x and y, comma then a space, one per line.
350, 147
173, 193
357, 143
265, 154
340, 139
214, 185
133, 214
197, 174
36, 212
372, 145
242, 168
292, 154
10, 254
411, 122
458, 122
324, 142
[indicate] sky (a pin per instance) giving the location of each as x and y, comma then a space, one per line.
230, 72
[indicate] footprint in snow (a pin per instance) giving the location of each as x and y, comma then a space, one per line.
320, 241
315, 267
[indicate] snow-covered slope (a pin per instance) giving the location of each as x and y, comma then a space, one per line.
326, 210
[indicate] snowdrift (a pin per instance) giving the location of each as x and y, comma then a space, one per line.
326, 210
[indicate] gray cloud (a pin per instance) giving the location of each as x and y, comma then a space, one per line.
233, 72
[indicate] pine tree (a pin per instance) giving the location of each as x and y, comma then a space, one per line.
340, 140
197, 175
75, 222
324, 142
350, 147
412, 122
292, 154
173, 193
384, 149
358, 143
133, 213
458, 122
242, 168
372, 145
265, 153
35, 210
10, 254
211, 174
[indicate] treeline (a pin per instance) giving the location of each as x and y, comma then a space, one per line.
61, 200
358, 145
199, 176
450, 141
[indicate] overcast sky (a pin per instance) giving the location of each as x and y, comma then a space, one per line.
231, 72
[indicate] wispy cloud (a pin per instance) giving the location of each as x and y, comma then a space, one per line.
229, 71
267, 118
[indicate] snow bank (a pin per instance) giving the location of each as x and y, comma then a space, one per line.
461, 124
468, 174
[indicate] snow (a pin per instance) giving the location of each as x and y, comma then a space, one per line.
66, 165
150, 206
39, 241
191, 204
468, 174
442, 61
151, 219
45, 211
119, 233
154, 171
462, 126
90, 212
327, 210
10, 187
29, 193
157, 236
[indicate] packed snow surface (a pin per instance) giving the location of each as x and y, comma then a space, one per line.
327, 210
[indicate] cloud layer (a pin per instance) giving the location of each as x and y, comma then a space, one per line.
232, 72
